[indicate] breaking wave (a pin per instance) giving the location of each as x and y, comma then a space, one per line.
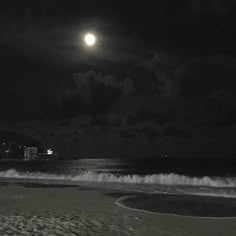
154, 179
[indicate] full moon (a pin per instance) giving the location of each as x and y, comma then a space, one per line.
90, 39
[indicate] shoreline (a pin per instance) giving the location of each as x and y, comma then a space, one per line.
212, 207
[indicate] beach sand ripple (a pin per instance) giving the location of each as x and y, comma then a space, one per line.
47, 224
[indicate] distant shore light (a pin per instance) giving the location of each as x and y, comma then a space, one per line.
50, 151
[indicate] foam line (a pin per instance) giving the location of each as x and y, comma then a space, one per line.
160, 179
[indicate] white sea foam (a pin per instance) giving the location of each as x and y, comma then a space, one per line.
157, 179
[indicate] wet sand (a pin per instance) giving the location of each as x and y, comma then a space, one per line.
70, 210
185, 205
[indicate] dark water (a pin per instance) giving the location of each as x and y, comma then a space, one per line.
185, 205
189, 167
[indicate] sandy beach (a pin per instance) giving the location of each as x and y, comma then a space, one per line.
68, 210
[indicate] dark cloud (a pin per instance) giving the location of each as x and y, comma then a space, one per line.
99, 91
146, 116
144, 80
205, 88
218, 7
149, 131
175, 131
127, 134
104, 121
204, 76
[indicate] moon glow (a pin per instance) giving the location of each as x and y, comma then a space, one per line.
90, 39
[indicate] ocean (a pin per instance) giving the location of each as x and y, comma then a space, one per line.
208, 177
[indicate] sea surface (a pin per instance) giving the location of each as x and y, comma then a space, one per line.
208, 177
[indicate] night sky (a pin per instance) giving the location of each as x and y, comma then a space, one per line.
160, 79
